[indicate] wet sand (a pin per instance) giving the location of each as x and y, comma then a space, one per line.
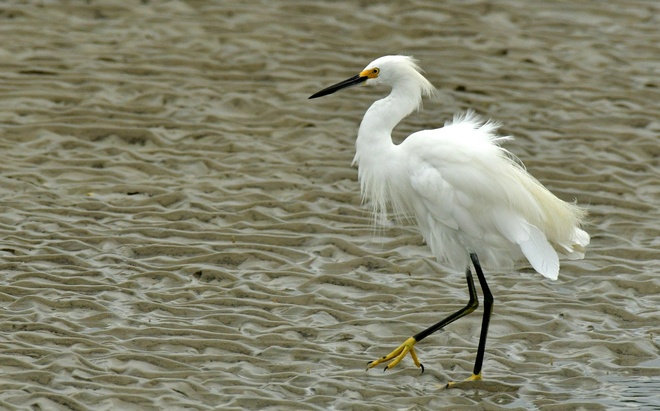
182, 228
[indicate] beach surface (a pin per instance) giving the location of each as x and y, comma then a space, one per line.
182, 228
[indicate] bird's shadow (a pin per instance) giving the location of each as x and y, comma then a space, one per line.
489, 386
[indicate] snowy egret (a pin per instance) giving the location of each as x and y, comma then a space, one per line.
473, 200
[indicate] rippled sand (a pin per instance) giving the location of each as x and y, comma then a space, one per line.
181, 227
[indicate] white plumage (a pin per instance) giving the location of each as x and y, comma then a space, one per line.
466, 192
469, 196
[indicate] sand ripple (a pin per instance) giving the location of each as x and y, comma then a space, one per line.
182, 229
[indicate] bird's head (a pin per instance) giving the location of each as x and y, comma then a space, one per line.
388, 70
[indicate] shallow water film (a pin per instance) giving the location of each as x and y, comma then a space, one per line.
182, 229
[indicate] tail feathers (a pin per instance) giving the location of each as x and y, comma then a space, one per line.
532, 242
580, 238
575, 249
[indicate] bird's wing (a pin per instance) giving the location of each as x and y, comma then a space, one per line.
467, 183
459, 174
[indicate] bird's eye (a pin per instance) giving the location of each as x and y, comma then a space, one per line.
375, 71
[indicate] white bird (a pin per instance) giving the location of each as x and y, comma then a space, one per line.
472, 200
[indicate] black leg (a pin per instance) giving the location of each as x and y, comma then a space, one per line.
488, 310
471, 306
408, 346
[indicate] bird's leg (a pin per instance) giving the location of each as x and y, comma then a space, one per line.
471, 306
408, 346
488, 310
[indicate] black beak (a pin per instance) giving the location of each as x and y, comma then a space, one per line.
357, 79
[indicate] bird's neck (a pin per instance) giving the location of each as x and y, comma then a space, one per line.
375, 153
375, 134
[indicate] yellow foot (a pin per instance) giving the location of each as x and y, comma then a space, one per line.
397, 355
473, 377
